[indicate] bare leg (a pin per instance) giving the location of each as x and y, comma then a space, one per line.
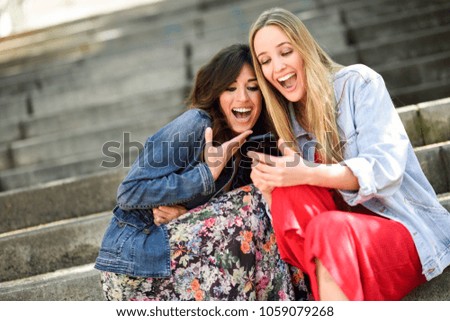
328, 288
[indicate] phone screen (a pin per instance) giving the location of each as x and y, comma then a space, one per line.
266, 143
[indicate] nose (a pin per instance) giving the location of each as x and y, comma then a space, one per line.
278, 64
242, 94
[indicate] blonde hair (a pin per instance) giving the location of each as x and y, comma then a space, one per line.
319, 113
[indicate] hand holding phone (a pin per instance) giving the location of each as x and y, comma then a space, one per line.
266, 143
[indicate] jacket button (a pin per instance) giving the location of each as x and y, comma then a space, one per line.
146, 231
121, 224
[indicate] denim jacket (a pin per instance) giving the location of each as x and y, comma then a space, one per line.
168, 171
379, 153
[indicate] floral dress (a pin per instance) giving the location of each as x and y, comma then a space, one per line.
223, 250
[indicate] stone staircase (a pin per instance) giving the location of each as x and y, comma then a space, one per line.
66, 91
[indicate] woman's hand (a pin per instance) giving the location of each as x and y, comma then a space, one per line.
269, 171
291, 169
287, 170
165, 214
217, 157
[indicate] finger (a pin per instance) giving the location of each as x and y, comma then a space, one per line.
169, 210
208, 135
259, 178
284, 148
158, 212
236, 142
157, 220
174, 210
263, 158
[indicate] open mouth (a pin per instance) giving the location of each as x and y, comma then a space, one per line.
242, 113
288, 81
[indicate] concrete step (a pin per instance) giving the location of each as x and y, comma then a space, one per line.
59, 200
116, 64
427, 123
403, 47
13, 108
94, 22
73, 93
51, 247
396, 23
80, 283
437, 289
413, 72
63, 117
79, 141
154, 29
357, 12
62, 168
9, 132
110, 42
97, 36
445, 200
421, 93
85, 116
5, 156
435, 162
232, 25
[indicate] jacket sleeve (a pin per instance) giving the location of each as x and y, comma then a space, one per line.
165, 172
381, 142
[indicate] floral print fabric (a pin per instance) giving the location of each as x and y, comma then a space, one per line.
223, 250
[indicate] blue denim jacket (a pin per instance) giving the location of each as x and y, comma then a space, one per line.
168, 171
379, 153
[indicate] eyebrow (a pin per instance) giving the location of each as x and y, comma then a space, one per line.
279, 45
248, 80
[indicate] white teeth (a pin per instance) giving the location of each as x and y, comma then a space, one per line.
284, 78
242, 110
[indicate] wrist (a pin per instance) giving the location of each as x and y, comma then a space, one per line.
214, 172
310, 173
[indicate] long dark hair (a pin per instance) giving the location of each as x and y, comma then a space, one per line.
213, 79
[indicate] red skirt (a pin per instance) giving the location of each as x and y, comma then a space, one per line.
368, 256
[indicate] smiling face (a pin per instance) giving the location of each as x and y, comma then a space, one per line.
280, 63
241, 102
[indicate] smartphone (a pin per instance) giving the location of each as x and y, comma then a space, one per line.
266, 143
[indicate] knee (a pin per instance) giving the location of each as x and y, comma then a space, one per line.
328, 227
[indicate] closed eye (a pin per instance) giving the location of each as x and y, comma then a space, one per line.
286, 53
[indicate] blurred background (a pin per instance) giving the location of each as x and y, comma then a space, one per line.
84, 83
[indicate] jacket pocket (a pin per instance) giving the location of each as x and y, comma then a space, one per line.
115, 239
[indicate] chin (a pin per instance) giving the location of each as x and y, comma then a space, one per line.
240, 130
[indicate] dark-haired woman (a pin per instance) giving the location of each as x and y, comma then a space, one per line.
187, 226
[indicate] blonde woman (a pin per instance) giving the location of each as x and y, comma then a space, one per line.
350, 204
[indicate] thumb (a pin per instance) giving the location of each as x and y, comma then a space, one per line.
284, 148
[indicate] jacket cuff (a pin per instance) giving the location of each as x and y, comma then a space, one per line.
207, 179
361, 168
